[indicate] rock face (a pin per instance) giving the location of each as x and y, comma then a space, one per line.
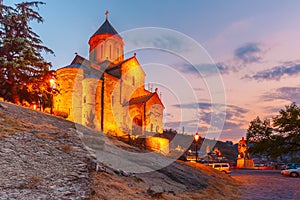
44, 157
42, 161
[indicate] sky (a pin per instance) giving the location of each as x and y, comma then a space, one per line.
254, 45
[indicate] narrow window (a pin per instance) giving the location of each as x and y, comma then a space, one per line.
133, 81
102, 51
112, 100
84, 99
110, 51
93, 57
157, 129
151, 128
118, 53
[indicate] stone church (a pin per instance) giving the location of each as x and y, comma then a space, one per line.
107, 92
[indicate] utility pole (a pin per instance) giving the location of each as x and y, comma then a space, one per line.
1, 3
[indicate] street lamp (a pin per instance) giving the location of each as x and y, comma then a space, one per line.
196, 138
52, 86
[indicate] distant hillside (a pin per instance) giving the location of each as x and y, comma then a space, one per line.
229, 151
43, 157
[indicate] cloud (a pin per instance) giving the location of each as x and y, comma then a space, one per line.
234, 120
204, 69
277, 72
248, 53
234, 113
284, 93
208, 106
245, 54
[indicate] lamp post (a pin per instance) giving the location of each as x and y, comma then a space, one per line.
196, 138
52, 85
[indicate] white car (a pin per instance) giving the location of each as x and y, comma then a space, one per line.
291, 172
223, 167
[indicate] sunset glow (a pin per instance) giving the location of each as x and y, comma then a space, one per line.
255, 46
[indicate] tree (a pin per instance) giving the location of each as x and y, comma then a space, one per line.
21, 62
280, 138
259, 136
287, 124
259, 130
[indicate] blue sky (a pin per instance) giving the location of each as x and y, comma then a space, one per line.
255, 44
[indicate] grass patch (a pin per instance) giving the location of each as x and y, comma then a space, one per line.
9, 126
46, 136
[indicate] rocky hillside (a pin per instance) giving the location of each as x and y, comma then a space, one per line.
43, 157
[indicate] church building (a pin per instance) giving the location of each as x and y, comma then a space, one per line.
107, 92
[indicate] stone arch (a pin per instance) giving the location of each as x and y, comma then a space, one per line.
137, 125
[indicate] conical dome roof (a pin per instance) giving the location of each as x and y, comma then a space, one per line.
106, 28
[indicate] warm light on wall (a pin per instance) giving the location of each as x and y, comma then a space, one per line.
158, 144
52, 83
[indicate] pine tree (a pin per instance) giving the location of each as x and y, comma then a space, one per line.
21, 62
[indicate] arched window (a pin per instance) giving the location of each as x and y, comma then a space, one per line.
133, 81
151, 128
157, 129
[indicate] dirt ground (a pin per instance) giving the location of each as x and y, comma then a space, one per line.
202, 182
266, 185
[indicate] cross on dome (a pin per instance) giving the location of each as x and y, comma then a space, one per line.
106, 13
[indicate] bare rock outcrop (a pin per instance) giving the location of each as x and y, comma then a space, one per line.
42, 160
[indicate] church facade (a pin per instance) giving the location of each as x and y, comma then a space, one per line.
107, 92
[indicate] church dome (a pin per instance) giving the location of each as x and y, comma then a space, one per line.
106, 44
106, 28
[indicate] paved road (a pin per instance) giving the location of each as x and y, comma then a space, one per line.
267, 185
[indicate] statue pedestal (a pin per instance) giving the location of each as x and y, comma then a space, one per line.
244, 163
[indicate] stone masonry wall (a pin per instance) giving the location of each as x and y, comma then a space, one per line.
69, 99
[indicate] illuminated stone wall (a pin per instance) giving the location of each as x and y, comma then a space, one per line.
245, 163
91, 103
154, 116
133, 78
106, 47
105, 103
82, 99
161, 145
112, 106
69, 98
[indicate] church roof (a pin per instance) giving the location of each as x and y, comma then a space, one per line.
140, 99
115, 70
106, 28
143, 99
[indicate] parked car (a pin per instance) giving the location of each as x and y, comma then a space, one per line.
292, 166
223, 167
291, 172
